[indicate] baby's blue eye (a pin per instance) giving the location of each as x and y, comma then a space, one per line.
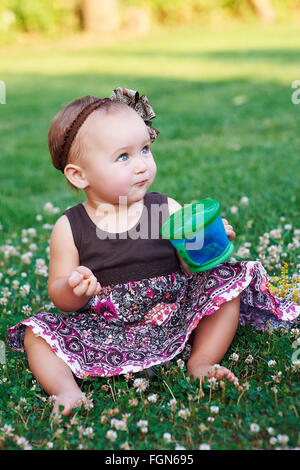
145, 149
123, 155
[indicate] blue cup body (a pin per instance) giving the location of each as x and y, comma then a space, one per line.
206, 245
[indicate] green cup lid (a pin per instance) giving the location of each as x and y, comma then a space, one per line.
190, 219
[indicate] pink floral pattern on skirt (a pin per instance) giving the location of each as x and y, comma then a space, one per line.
135, 325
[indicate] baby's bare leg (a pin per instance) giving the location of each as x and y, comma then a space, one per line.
212, 339
52, 373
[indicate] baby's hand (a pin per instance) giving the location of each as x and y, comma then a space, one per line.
229, 230
83, 282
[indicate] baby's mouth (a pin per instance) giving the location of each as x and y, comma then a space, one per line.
141, 183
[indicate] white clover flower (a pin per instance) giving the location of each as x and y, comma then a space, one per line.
15, 284
118, 424
24, 290
7, 430
26, 257
31, 231
244, 201
27, 310
243, 252
167, 437
282, 438
33, 247
240, 99
277, 377
179, 447
49, 445
272, 441
271, 363
295, 332
271, 430
6, 292
48, 207
276, 233
153, 398
180, 363
254, 427
111, 435
214, 409
249, 359
213, 382
125, 446
172, 404
47, 226
210, 419
296, 365
234, 357
204, 447
234, 209
87, 402
89, 431
143, 425
22, 442
141, 384
184, 413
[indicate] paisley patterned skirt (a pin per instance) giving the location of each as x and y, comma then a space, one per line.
135, 325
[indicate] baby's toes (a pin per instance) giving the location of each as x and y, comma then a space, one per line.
67, 408
230, 376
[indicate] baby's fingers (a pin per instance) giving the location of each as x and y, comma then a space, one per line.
91, 285
74, 279
81, 288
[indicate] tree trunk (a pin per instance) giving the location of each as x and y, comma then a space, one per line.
100, 15
264, 9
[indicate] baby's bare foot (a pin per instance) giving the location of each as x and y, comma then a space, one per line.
68, 400
199, 371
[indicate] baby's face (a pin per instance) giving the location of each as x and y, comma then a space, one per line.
117, 156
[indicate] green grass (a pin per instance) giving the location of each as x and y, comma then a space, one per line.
212, 144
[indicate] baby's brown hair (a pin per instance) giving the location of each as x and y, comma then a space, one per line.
62, 122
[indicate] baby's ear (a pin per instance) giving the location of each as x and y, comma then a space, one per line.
76, 176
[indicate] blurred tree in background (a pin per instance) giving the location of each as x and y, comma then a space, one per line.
52, 18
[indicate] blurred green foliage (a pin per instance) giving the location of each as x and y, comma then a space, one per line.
57, 17
47, 17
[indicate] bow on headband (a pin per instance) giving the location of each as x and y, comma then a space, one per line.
140, 104
130, 97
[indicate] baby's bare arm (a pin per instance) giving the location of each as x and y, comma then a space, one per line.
63, 297
68, 286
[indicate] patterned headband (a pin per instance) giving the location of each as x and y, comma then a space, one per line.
130, 97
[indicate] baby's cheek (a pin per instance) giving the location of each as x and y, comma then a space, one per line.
152, 170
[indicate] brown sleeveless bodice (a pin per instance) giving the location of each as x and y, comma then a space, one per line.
136, 254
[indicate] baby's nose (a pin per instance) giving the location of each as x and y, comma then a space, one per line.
140, 170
